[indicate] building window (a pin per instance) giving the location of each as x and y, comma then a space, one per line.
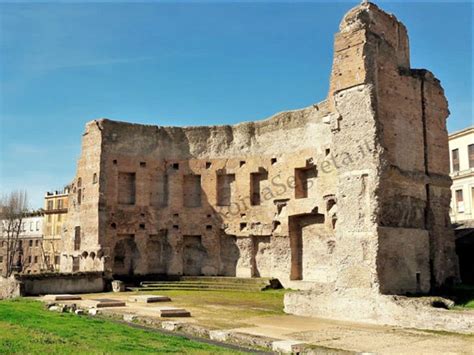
1, 259
30, 243
256, 182
79, 191
30, 259
31, 226
75, 264
160, 198
472, 200
36, 260
304, 181
224, 189
192, 191
56, 259
37, 225
470, 152
455, 158
94, 178
77, 238
36, 242
60, 203
459, 201
126, 188
50, 205
49, 218
60, 217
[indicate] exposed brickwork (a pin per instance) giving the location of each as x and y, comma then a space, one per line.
351, 193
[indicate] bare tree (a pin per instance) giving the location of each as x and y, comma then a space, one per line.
14, 208
48, 259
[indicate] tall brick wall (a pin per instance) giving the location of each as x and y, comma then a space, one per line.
346, 194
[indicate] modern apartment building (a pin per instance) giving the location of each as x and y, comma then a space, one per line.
28, 253
55, 215
461, 147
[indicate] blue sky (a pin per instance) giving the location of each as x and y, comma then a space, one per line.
187, 63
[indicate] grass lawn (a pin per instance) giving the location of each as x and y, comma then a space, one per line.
27, 328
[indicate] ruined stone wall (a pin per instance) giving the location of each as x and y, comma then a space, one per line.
80, 248
349, 194
212, 200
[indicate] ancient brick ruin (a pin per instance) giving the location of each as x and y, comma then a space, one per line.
351, 193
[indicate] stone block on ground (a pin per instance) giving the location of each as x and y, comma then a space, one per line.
129, 317
64, 297
171, 326
172, 312
149, 299
93, 311
288, 346
106, 302
219, 335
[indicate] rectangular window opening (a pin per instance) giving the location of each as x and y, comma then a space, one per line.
225, 186
455, 159
77, 238
126, 188
470, 152
459, 201
192, 190
304, 181
256, 180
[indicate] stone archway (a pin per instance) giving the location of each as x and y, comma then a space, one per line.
126, 256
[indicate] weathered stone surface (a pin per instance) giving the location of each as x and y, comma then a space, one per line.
348, 193
93, 311
219, 335
11, 287
61, 297
171, 326
59, 283
369, 307
118, 286
129, 317
288, 346
105, 302
148, 299
172, 312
